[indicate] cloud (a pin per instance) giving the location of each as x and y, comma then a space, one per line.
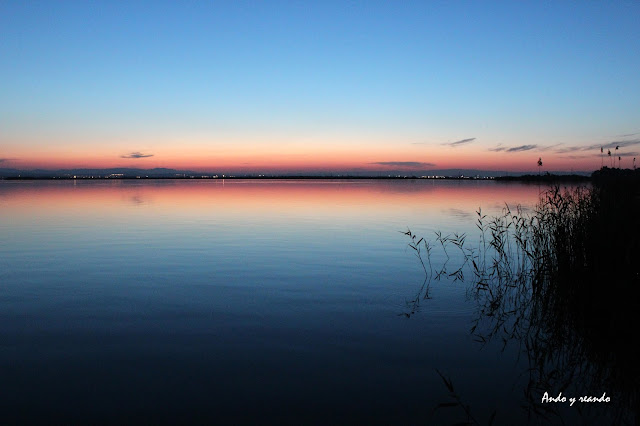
568, 149
136, 154
621, 144
628, 135
596, 147
403, 163
513, 148
548, 148
625, 154
460, 142
598, 155
576, 157
559, 149
453, 144
522, 148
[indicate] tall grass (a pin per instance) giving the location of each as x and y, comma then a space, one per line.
563, 282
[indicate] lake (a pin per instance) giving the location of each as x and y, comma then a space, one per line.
253, 301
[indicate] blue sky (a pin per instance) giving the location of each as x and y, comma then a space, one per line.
302, 84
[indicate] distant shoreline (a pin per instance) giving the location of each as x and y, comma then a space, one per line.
544, 178
523, 178
301, 177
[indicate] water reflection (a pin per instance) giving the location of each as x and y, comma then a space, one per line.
243, 301
546, 283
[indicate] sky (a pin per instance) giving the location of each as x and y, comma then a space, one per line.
308, 86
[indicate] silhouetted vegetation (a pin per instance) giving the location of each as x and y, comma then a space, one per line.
562, 282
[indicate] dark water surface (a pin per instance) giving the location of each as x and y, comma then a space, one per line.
256, 301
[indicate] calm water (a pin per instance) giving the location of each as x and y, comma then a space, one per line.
239, 300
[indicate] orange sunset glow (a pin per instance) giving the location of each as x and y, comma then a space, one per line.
411, 158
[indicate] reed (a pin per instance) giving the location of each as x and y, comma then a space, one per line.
563, 283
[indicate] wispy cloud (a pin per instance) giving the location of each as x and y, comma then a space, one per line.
403, 163
626, 154
568, 149
628, 135
621, 144
559, 149
522, 148
136, 154
460, 142
594, 155
596, 147
549, 147
577, 157
453, 144
513, 148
